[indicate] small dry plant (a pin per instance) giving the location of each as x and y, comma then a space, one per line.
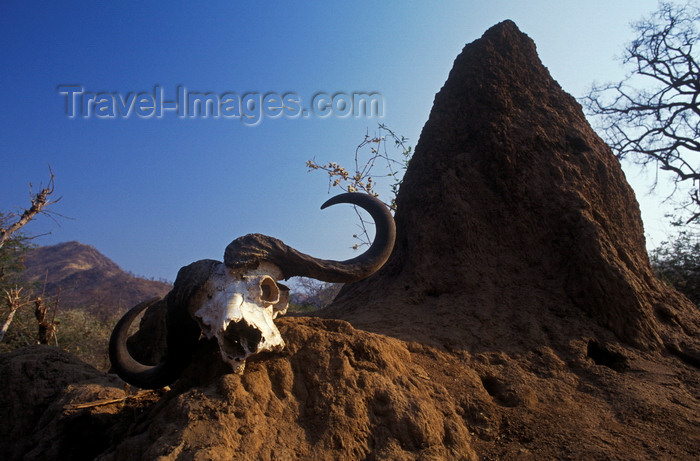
363, 177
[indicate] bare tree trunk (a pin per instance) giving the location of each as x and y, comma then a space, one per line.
13, 299
47, 328
7, 323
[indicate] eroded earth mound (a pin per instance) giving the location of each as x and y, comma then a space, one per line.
518, 318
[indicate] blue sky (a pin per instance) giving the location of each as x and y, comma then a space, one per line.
156, 193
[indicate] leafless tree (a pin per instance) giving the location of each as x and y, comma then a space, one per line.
652, 116
39, 202
13, 297
363, 178
313, 292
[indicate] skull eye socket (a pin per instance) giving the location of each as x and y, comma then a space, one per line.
269, 291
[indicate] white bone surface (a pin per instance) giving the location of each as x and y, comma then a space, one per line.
234, 299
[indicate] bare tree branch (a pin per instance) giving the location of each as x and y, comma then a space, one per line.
39, 201
652, 116
364, 177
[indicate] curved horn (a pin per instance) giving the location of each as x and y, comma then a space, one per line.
183, 332
249, 251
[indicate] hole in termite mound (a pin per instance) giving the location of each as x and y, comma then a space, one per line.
601, 355
501, 393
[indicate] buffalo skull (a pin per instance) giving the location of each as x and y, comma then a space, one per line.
236, 301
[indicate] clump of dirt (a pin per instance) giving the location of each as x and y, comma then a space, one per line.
37, 383
518, 317
335, 393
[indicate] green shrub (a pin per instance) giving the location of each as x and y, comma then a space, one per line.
677, 262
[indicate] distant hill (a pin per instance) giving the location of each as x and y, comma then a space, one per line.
88, 279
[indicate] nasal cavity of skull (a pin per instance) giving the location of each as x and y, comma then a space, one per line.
270, 292
242, 338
